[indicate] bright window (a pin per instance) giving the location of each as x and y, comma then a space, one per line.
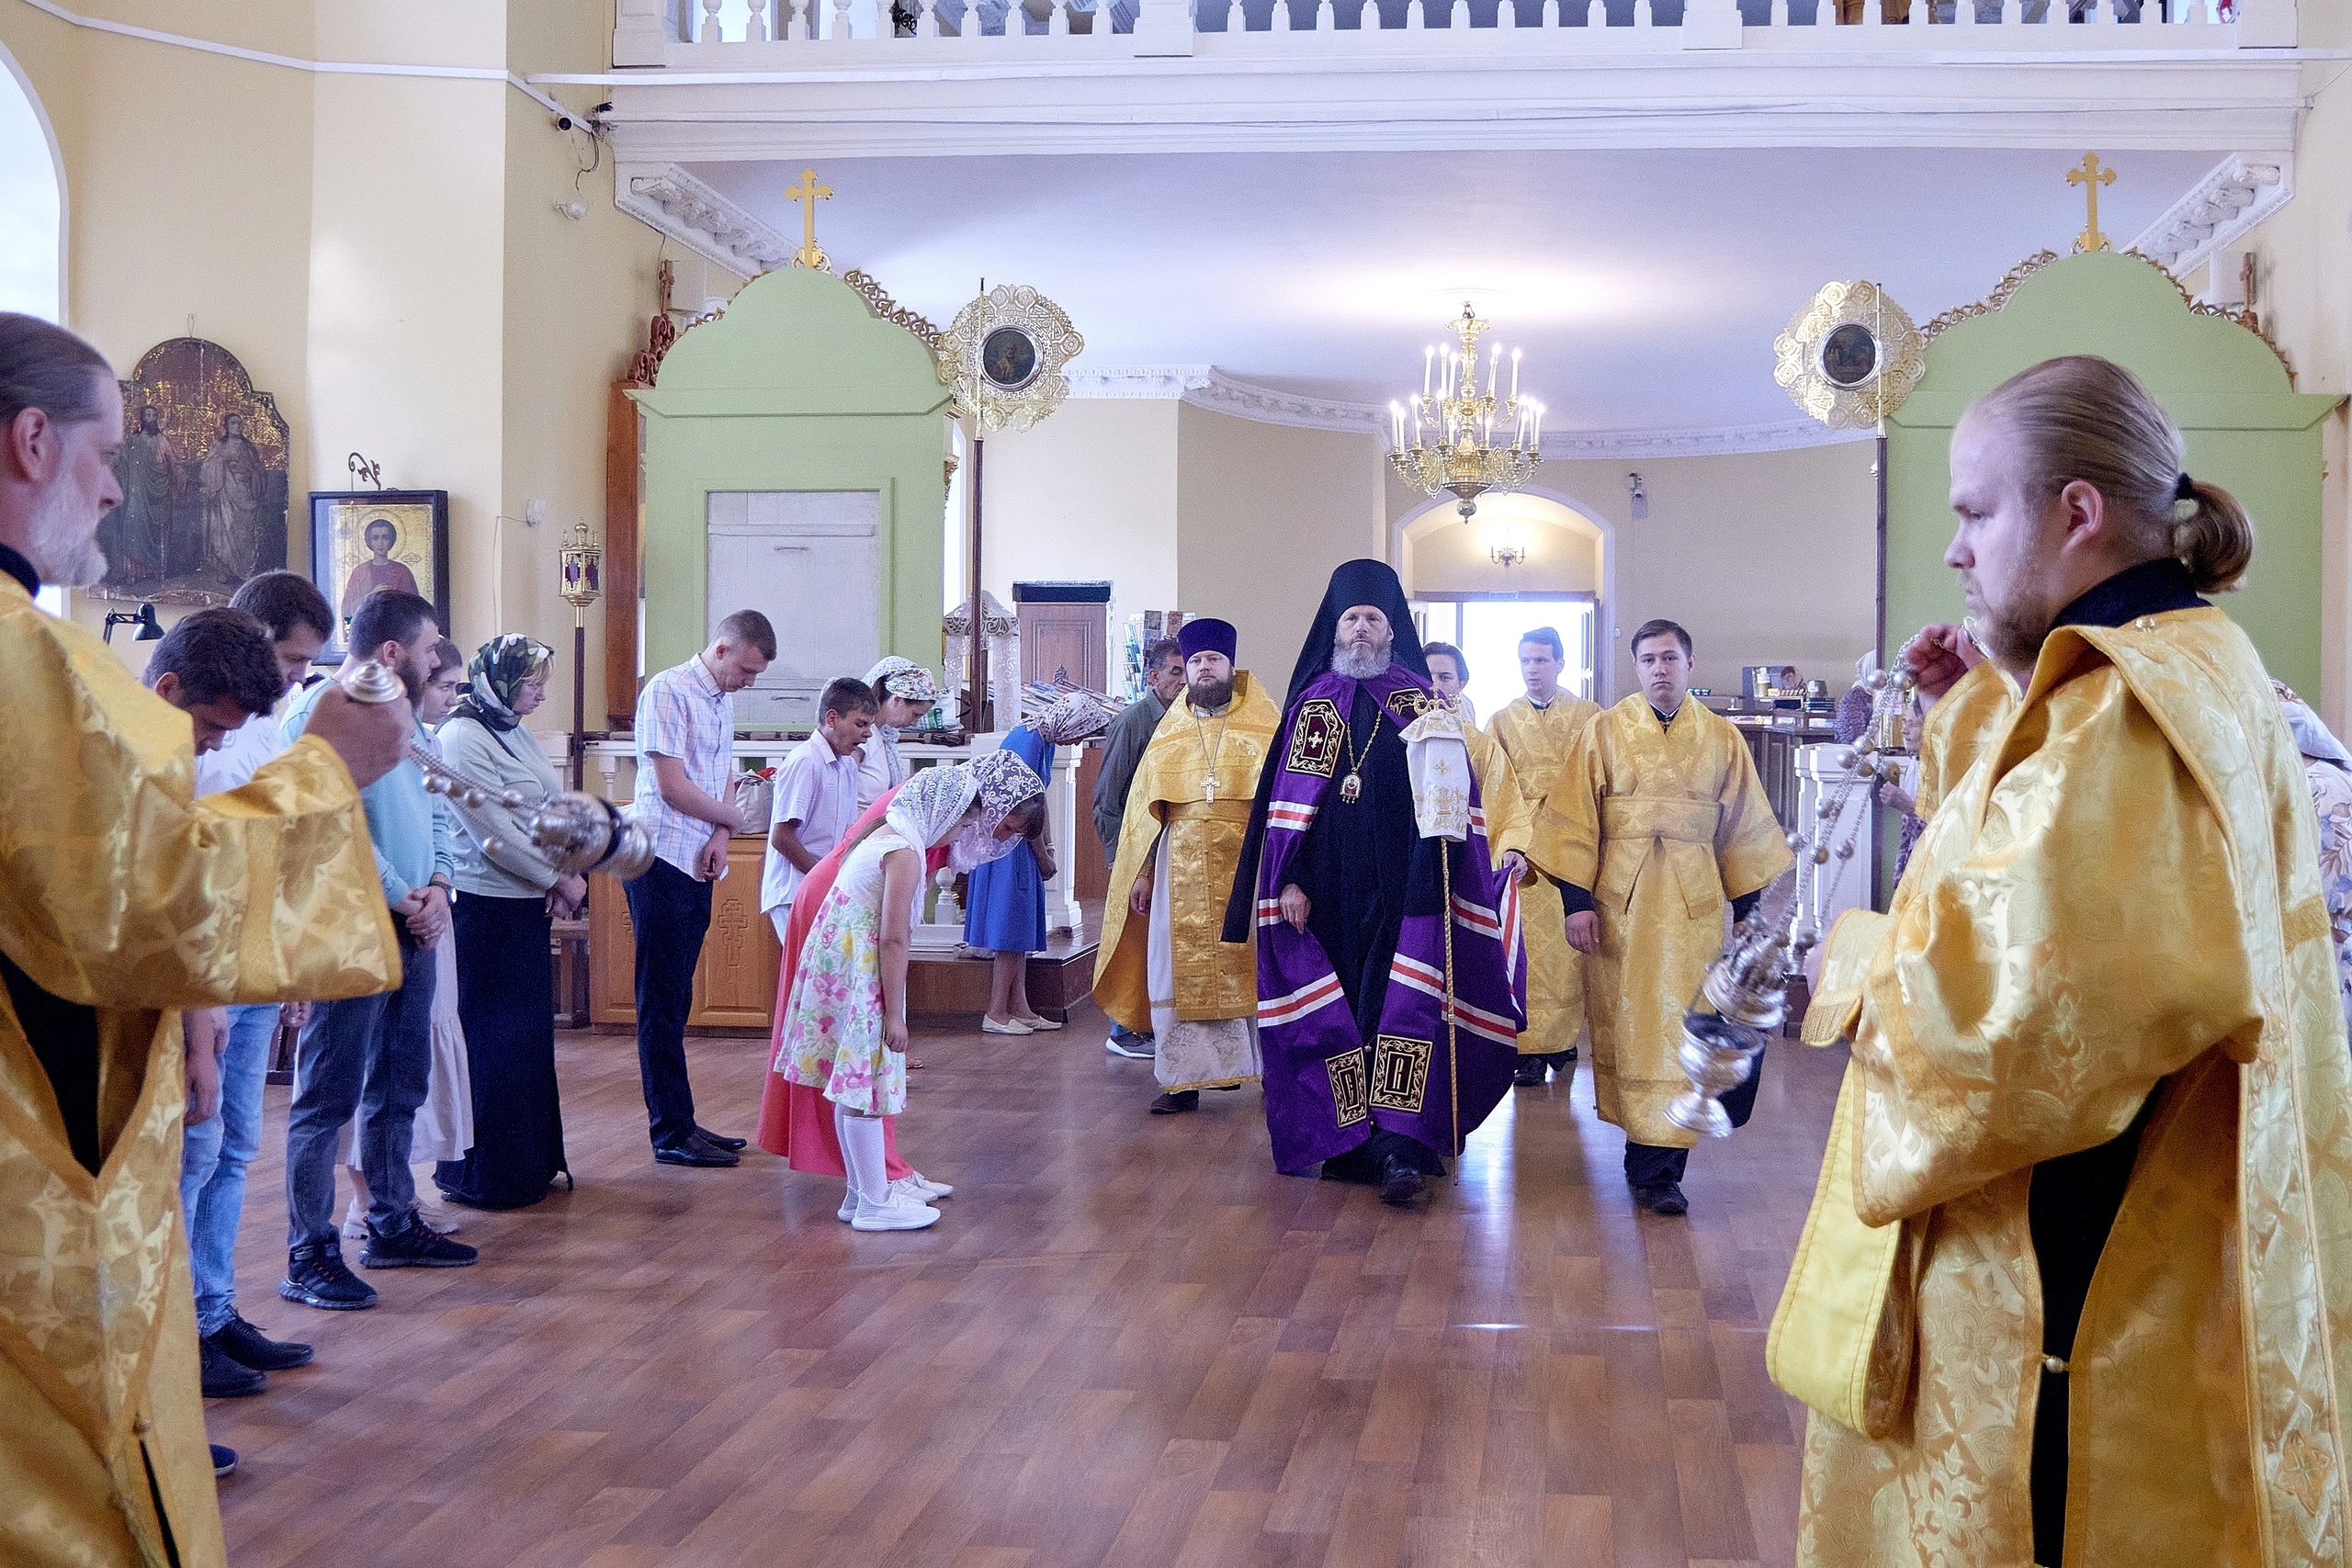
1487, 631
30, 204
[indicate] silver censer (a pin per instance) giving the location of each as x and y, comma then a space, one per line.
1744, 994
577, 833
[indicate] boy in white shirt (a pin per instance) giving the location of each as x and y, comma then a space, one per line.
816, 794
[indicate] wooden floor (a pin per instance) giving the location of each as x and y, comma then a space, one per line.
1128, 1342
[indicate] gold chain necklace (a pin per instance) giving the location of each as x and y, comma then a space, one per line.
1207, 754
1352, 786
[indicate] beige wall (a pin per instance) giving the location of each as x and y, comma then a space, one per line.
1265, 513
1763, 556
2304, 284
1444, 554
1086, 494
382, 253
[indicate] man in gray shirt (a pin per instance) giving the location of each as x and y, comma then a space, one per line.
1122, 748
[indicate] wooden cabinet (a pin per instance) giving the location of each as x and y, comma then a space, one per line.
735, 982
1068, 642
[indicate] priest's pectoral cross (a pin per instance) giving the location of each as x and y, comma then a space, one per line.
809, 193
2090, 176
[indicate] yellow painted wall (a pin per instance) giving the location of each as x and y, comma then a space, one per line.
2303, 283
382, 252
1444, 554
1263, 513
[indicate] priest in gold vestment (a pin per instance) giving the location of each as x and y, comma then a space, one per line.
123, 899
1537, 731
2076, 1286
1160, 969
1658, 821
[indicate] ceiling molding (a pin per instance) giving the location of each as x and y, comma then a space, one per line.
2242, 190
712, 225
1206, 387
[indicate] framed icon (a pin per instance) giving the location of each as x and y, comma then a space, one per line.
366, 540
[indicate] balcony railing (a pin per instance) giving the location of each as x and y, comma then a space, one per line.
724, 36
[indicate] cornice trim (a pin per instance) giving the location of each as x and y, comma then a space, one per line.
711, 225
2238, 193
1206, 387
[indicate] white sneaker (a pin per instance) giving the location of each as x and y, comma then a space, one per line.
927, 1187
895, 1214
1118, 1048
355, 1221
438, 1219
848, 1211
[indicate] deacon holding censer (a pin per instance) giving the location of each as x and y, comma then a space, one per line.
2074, 1286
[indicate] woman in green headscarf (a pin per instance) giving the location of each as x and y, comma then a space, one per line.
508, 895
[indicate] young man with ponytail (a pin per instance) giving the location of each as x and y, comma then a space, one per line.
2072, 1289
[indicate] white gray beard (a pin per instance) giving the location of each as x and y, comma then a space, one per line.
1358, 663
65, 553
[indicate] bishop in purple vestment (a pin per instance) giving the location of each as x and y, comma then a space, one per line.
1364, 1073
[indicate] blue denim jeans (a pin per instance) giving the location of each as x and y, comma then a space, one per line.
372, 1056
213, 1161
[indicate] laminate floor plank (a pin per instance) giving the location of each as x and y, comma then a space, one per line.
1129, 1343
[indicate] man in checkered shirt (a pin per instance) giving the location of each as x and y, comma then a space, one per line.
685, 763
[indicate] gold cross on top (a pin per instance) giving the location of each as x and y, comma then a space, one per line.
809, 193
2090, 176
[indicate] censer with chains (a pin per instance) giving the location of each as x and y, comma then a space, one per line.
1744, 994
577, 833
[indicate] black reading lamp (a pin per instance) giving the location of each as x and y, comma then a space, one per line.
142, 617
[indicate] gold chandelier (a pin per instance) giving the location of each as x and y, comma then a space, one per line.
1454, 425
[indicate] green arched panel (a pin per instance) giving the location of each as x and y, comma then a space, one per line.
2247, 431
799, 386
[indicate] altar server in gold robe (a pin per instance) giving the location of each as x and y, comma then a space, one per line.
2077, 1287
1537, 731
122, 899
1659, 819
1162, 969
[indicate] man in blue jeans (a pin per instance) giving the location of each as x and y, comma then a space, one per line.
685, 802
235, 1355
372, 1055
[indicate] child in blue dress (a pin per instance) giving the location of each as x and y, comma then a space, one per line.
1005, 912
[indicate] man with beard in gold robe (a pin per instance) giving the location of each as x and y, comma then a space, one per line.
123, 899
2074, 1287
1537, 731
1659, 819
1160, 969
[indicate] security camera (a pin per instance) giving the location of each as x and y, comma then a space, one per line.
563, 122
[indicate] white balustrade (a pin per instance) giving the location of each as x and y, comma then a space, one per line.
693, 34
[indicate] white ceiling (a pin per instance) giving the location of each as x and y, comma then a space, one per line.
1645, 287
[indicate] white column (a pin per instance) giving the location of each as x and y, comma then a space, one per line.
642, 32
1163, 28
1710, 24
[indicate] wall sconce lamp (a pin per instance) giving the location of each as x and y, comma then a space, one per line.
142, 617
1641, 497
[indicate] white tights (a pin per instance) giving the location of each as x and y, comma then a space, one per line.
861, 1136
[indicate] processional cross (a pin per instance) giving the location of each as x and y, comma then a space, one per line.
809, 193
2090, 176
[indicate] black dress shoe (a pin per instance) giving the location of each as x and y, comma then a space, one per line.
1664, 1198
249, 1347
1183, 1099
1527, 1072
697, 1153
224, 1461
223, 1377
733, 1146
1400, 1183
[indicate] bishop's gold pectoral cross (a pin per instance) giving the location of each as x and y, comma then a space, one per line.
809, 193
2090, 176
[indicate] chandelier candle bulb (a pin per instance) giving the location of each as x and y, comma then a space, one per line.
1428, 367
1514, 376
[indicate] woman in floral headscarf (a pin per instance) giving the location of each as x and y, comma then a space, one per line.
906, 692
508, 896
844, 1021
1005, 913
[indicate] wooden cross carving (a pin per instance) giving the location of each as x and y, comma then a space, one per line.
2090, 176
809, 193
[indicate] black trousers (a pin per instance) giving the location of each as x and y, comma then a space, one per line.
671, 913
1648, 1164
